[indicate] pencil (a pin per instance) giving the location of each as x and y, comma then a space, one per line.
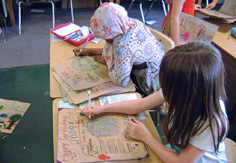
89, 102
83, 47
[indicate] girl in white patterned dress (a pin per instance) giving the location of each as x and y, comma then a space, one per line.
130, 48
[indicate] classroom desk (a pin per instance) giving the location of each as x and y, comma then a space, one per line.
227, 46
60, 52
147, 122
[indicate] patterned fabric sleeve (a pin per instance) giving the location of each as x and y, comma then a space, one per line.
121, 69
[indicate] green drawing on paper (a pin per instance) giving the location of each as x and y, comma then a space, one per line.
84, 64
101, 127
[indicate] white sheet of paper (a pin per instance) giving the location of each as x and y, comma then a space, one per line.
117, 98
67, 29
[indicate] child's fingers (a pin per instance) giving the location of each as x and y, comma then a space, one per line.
84, 108
88, 111
84, 53
136, 121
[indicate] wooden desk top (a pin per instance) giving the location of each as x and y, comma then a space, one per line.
147, 122
60, 52
221, 38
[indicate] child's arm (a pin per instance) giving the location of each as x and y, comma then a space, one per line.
212, 4
95, 53
177, 6
138, 131
189, 154
197, 7
88, 51
127, 107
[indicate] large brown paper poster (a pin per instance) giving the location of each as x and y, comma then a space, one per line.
82, 72
101, 139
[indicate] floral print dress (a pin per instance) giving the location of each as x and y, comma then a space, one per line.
133, 45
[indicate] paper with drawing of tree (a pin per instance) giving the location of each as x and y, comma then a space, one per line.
11, 112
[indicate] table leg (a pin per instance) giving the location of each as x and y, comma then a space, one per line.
11, 12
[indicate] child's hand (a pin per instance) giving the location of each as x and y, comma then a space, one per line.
197, 7
99, 59
210, 6
88, 51
84, 52
137, 130
93, 111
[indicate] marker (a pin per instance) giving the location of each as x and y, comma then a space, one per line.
83, 47
132, 120
89, 102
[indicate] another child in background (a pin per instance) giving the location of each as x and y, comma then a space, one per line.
130, 47
209, 6
176, 7
192, 83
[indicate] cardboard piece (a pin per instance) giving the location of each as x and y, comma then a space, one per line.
195, 29
229, 8
11, 112
219, 16
82, 72
101, 139
98, 90
192, 29
226, 14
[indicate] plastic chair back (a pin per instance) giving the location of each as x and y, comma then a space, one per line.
167, 42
